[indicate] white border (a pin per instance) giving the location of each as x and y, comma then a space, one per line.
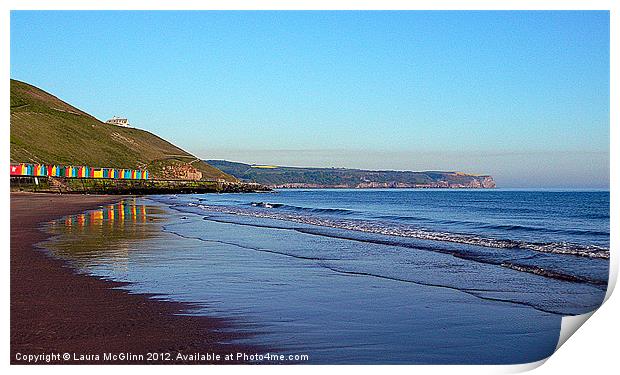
593, 348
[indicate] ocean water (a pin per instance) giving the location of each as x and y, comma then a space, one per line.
363, 276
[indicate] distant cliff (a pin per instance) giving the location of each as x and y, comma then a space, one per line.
293, 177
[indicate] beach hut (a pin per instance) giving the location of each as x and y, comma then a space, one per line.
39, 170
16, 169
98, 173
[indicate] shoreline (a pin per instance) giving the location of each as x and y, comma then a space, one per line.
56, 310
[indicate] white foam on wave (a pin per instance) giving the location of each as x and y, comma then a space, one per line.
566, 248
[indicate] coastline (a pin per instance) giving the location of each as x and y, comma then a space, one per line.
56, 310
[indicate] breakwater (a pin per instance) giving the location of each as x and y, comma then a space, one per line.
48, 184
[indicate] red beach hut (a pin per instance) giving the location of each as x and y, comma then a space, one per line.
16, 169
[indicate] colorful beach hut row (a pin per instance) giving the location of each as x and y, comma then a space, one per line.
24, 169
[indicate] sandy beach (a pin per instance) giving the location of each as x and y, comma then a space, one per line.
54, 310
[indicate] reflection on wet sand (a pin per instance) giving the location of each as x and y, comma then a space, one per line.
106, 233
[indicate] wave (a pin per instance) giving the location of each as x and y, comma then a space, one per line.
340, 211
527, 228
393, 229
552, 274
333, 262
537, 270
399, 218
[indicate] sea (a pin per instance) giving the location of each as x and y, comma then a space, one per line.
362, 276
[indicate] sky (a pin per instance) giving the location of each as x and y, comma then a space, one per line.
523, 96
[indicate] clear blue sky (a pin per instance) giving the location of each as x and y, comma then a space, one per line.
523, 96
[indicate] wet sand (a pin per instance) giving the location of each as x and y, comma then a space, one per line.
56, 310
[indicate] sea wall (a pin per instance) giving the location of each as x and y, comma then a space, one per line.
139, 187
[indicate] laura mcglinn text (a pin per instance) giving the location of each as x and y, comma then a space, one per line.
59, 357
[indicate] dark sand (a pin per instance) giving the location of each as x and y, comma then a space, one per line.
55, 310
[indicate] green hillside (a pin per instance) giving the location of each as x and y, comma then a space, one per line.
44, 129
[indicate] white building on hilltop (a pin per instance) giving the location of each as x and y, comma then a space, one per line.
118, 121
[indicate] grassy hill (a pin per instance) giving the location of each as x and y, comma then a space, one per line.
44, 129
295, 177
